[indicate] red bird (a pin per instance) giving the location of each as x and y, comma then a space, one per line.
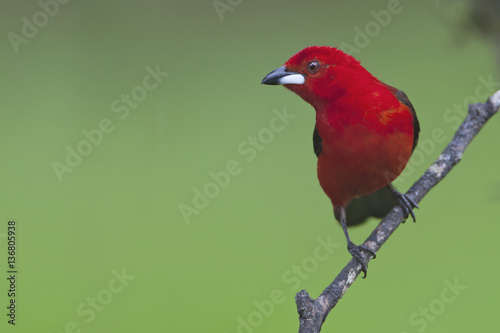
365, 129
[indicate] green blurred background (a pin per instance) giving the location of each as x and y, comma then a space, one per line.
235, 263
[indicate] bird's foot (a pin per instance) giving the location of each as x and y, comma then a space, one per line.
357, 253
407, 204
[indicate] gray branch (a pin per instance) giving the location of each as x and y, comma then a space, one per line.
312, 313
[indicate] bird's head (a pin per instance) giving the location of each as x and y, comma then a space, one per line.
320, 74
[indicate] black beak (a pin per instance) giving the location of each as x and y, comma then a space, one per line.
282, 76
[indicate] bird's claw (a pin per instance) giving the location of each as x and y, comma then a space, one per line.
357, 253
407, 204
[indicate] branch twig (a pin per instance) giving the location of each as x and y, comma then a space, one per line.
312, 313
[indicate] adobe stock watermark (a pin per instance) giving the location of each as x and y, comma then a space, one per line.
89, 308
372, 29
425, 315
454, 116
292, 279
31, 26
223, 6
247, 151
122, 108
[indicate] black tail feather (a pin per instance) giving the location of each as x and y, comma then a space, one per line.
377, 204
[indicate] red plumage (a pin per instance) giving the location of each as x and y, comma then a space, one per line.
365, 130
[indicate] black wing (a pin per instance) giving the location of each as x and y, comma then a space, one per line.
401, 96
317, 142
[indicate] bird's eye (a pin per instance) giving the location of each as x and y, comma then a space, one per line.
313, 66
